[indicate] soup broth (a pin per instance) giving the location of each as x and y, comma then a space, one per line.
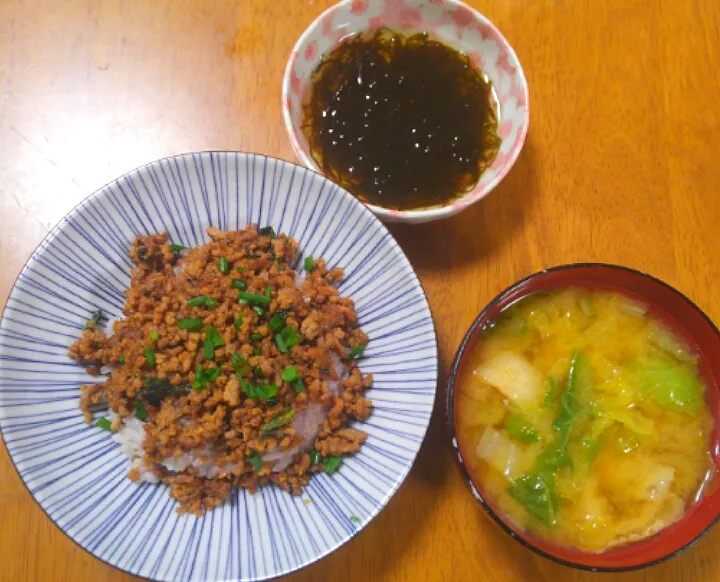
584, 419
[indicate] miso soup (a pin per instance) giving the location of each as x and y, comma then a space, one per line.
584, 419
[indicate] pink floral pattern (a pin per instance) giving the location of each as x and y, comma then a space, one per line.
450, 21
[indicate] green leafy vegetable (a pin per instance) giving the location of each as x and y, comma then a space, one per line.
552, 394
536, 493
315, 457
519, 428
140, 410
284, 418
256, 461
309, 264
670, 385
190, 323
590, 448
104, 424
332, 464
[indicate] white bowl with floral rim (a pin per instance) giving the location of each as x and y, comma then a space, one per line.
451, 22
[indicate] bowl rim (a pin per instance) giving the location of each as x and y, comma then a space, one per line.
55, 231
450, 414
423, 214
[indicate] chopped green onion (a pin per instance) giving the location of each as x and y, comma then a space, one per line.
241, 269
213, 340
224, 266
177, 248
268, 291
256, 337
190, 323
290, 374
298, 386
257, 352
256, 461
121, 359
154, 336
356, 351
291, 336
254, 298
140, 410
238, 322
97, 316
208, 350
158, 388
204, 375
150, 356
239, 364
332, 464
257, 371
104, 423
258, 391
259, 310
211, 303
355, 519
238, 284
284, 418
315, 457
277, 321
280, 343
242, 301
197, 301
267, 231
309, 263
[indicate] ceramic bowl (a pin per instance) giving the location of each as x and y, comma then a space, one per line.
77, 473
687, 320
449, 21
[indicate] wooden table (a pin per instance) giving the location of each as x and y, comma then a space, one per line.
620, 165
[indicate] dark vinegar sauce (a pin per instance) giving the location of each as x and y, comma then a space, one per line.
401, 122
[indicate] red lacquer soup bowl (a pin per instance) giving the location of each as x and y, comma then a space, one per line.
688, 322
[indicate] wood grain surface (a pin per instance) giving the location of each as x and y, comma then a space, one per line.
620, 165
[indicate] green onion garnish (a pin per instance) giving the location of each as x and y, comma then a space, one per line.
140, 410
121, 359
258, 391
154, 336
224, 265
315, 457
332, 464
238, 322
241, 269
280, 343
267, 231
202, 300
277, 321
208, 350
190, 323
256, 337
268, 291
283, 419
354, 519
96, 316
158, 388
211, 302
213, 340
356, 351
203, 376
309, 263
238, 284
256, 461
242, 301
257, 352
291, 336
177, 248
259, 310
298, 386
150, 356
239, 364
257, 371
254, 298
290, 374
104, 423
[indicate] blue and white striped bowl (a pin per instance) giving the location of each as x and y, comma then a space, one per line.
77, 473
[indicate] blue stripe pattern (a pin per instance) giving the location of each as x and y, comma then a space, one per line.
77, 473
